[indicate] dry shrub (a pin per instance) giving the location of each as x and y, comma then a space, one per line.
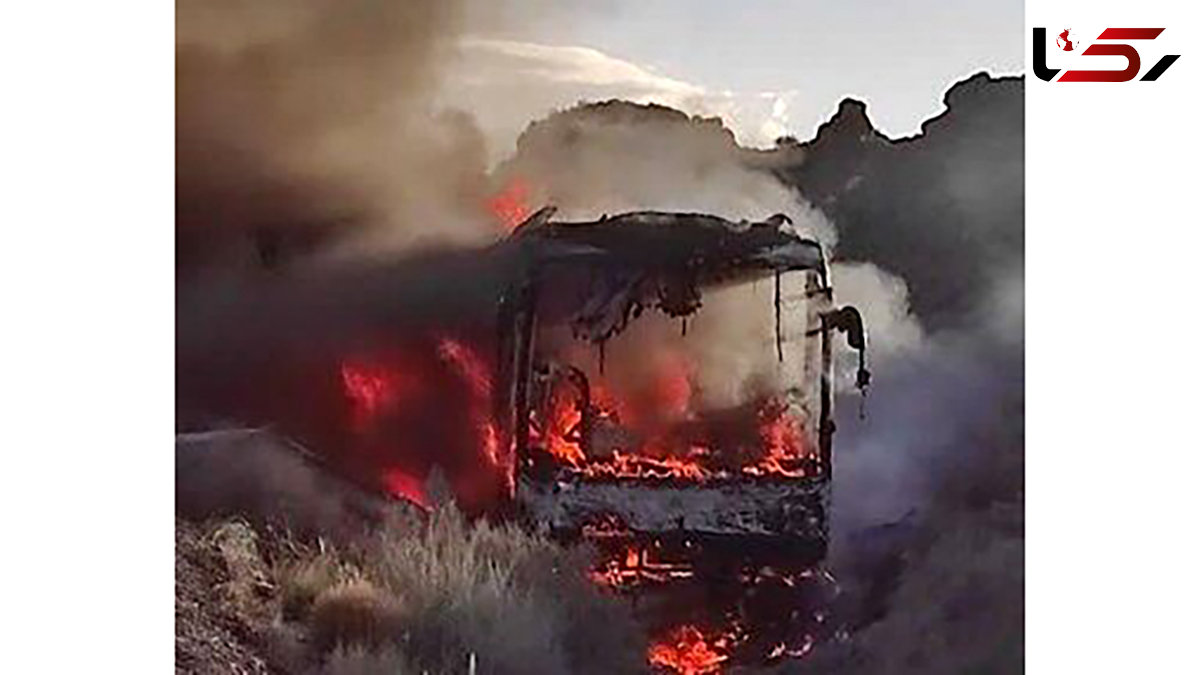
432, 596
306, 578
352, 613
516, 601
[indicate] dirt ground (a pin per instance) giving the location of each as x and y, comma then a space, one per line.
211, 634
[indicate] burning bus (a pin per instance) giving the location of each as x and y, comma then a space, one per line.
669, 484
586, 453
657, 385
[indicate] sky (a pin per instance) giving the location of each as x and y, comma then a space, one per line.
768, 67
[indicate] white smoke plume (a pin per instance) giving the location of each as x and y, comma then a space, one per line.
616, 156
619, 156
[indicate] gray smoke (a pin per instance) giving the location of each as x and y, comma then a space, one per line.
315, 120
929, 489
928, 511
617, 156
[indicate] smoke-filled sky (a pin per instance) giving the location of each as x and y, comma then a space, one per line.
768, 67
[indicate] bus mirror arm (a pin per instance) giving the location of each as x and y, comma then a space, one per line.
848, 320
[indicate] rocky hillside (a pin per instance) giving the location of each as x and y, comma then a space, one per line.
944, 209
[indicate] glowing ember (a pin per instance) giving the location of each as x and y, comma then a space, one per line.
510, 206
617, 571
624, 465
606, 526
772, 622
491, 443
636, 566
782, 650
686, 651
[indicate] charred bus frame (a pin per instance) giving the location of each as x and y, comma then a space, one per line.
664, 261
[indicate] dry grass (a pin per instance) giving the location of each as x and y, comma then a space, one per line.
433, 596
361, 661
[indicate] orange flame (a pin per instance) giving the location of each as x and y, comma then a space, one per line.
375, 391
654, 429
401, 484
510, 206
784, 444
561, 431
371, 390
468, 365
673, 388
634, 566
784, 448
687, 651
477, 375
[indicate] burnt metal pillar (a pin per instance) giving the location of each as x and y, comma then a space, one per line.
779, 315
826, 392
526, 332
584, 404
